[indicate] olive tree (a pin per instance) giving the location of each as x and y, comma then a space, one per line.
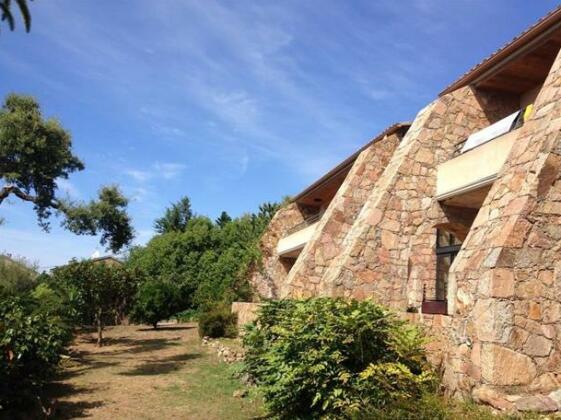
35, 153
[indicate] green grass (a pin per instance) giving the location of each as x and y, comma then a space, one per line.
208, 393
433, 407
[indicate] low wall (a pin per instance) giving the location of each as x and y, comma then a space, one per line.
246, 312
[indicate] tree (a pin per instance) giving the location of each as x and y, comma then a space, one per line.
175, 218
157, 299
99, 291
17, 276
34, 154
7, 15
209, 263
223, 219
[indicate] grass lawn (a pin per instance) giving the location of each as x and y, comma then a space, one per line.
143, 373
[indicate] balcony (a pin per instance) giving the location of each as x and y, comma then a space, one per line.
292, 244
471, 173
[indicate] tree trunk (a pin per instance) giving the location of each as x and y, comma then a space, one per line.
99, 328
155, 325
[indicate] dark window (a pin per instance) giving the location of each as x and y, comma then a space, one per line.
447, 247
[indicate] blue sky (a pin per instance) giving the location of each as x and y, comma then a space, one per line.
230, 103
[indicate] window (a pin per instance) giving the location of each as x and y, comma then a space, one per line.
447, 247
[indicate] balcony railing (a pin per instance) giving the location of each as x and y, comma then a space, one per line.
310, 220
475, 168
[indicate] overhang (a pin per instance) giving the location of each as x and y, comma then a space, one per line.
521, 64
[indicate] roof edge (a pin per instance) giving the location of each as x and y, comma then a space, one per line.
525, 39
349, 160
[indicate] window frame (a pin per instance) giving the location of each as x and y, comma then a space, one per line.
440, 306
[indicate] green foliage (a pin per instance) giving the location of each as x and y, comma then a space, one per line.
106, 216
7, 15
223, 219
156, 300
31, 341
95, 292
218, 321
175, 218
432, 407
36, 152
17, 276
328, 358
209, 262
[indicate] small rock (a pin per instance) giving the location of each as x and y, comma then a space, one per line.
489, 396
539, 403
556, 396
246, 379
240, 393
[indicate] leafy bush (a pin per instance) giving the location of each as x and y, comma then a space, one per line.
326, 357
31, 341
17, 276
157, 299
218, 321
187, 315
434, 407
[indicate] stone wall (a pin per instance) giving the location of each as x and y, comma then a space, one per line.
327, 241
506, 280
267, 278
377, 240
246, 312
388, 254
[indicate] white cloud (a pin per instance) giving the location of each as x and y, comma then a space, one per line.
138, 175
168, 170
158, 170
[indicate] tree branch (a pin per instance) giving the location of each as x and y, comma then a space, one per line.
12, 189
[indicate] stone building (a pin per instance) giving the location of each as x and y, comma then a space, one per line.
455, 221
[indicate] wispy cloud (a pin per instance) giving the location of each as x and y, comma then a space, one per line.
168, 170
158, 170
138, 175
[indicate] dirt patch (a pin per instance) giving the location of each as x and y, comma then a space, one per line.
143, 373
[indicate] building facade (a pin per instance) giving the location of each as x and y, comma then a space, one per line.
453, 220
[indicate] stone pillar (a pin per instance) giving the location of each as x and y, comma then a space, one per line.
267, 278
506, 294
327, 241
388, 253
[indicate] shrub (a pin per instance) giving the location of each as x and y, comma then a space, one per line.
156, 299
218, 321
327, 357
31, 341
17, 276
433, 407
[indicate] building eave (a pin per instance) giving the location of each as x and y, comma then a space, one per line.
518, 45
348, 162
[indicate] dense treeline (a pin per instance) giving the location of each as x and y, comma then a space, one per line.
207, 261
193, 264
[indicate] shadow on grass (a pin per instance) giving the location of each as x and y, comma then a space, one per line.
132, 345
84, 365
68, 409
161, 366
168, 328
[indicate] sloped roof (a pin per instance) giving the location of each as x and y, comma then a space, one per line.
535, 33
347, 163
